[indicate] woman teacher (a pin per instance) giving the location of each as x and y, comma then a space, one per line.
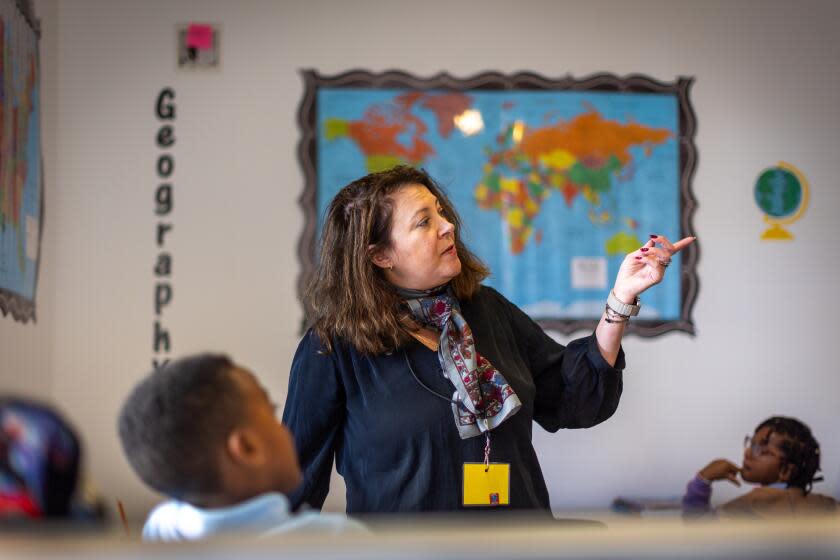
423, 384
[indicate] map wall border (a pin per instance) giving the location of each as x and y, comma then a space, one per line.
395, 79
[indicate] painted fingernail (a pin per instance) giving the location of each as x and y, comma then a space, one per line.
644, 249
638, 258
653, 236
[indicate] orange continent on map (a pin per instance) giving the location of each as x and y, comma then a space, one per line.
581, 156
378, 133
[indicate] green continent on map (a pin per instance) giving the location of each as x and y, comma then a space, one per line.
380, 133
597, 175
336, 128
622, 243
578, 157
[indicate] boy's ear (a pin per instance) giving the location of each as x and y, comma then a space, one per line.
245, 447
379, 258
786, 472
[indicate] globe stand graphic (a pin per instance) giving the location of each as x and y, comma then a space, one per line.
781, 193
775, 232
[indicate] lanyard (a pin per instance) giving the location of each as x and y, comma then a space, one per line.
453, 402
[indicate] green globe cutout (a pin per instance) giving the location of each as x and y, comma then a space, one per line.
778, 192
781, 192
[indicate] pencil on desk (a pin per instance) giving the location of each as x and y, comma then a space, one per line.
122, 516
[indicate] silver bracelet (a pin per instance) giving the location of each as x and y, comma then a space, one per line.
612, 316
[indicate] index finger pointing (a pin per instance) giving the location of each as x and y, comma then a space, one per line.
682, 243
662, 240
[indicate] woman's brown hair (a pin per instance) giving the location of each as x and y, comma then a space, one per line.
350, 297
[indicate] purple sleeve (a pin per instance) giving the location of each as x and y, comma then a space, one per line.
697, 496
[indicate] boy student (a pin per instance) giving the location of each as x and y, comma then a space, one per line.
204, 432
783, 458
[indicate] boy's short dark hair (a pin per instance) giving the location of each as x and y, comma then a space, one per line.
175, 421
800, 450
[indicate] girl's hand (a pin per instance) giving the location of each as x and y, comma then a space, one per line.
720, 469
646, 266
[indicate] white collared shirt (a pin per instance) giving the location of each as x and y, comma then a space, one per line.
264, 515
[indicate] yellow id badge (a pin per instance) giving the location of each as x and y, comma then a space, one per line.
486, 487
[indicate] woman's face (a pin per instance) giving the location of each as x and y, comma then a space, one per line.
422, 254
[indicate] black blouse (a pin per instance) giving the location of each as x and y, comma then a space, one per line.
396, 444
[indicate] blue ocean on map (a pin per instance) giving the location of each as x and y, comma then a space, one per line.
530, 250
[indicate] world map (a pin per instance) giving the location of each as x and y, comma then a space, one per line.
20, 162
554, 188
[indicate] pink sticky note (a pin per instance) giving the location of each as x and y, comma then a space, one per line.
199, 36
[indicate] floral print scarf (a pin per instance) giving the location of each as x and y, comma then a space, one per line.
483, 399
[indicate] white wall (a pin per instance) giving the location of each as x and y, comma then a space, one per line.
766, 90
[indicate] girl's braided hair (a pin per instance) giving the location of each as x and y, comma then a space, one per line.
800, 449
